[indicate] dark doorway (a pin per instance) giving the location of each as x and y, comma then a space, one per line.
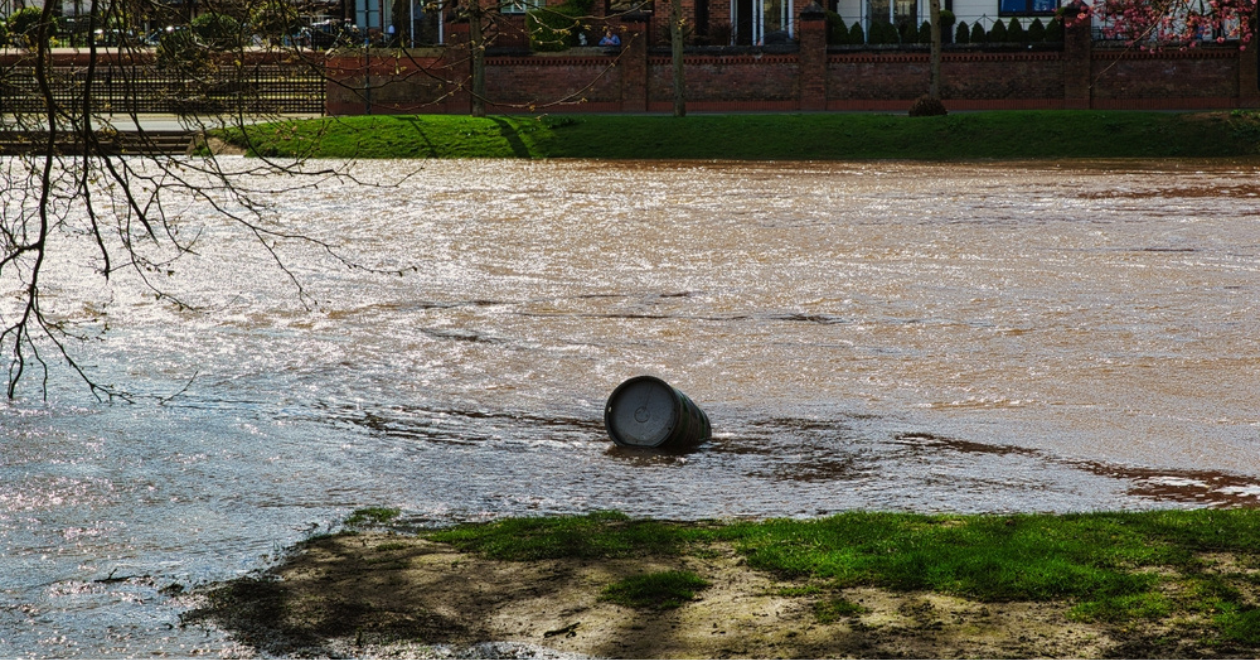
702, 20
743, 22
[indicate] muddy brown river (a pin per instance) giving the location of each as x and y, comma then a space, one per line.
980, 337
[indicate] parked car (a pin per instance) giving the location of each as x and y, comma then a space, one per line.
115, 37
155, 37
330, 34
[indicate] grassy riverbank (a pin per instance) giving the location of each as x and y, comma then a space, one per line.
1005, 135
1152, 584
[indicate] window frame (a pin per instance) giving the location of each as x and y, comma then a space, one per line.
1029, 8
520, 7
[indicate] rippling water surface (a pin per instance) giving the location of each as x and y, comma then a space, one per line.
962, 337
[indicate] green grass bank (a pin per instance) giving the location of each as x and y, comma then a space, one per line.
1114, 567
857, 584
981, 135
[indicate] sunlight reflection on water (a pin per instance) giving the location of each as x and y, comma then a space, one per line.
976, 338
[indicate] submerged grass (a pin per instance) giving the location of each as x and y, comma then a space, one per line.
375, 515
1110, 566
601, 535
999, 134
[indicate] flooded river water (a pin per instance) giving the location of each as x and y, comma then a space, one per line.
920, 337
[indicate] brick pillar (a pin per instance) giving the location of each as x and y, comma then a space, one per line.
1078, 45
339, 99
458, 69
1249, 75
812, 71
634, 63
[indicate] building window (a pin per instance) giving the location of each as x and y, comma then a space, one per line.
519, 6
762, 22
1027, 7
895, 12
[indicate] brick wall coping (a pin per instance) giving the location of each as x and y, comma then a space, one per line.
1188, 54
728, 59
553, 61
888, 58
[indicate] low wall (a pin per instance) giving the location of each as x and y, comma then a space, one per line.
1192, 79
809, 77
805, 77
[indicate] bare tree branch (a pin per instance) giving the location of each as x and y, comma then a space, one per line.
79, 176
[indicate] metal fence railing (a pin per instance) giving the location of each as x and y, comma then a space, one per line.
149, 89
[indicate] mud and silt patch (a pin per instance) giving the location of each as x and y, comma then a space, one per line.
372, 594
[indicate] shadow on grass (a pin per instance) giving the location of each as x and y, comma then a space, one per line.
429, 146
1157, 584
281, 618
511, 133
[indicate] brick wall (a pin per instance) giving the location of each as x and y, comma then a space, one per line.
1078, 75
1193, 78
545, 81
380, 81
727, 79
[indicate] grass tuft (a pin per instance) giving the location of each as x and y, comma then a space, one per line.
834, 609
661, 591
1241, 626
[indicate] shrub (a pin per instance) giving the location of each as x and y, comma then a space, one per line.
875, 33
1036, 31
977, 34
274, 19
1015, 32
997, 33
963, 34
947, 24
883, 32
925, 33
178, 51
24, 23
4, 33
857, 36
927, 106
909, 34
892, 35
837, 31
217, 30
1054, 31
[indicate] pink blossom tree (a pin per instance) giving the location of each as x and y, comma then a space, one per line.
1161, 23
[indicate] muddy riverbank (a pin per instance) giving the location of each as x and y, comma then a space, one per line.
390, 595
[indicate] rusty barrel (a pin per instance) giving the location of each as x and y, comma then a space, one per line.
646, 412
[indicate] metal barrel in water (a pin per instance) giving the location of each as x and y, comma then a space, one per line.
646, 412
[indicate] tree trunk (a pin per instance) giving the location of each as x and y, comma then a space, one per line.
676, 52
477, 51
934, 84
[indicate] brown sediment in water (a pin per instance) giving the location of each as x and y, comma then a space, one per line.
382, 594
1202, 488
